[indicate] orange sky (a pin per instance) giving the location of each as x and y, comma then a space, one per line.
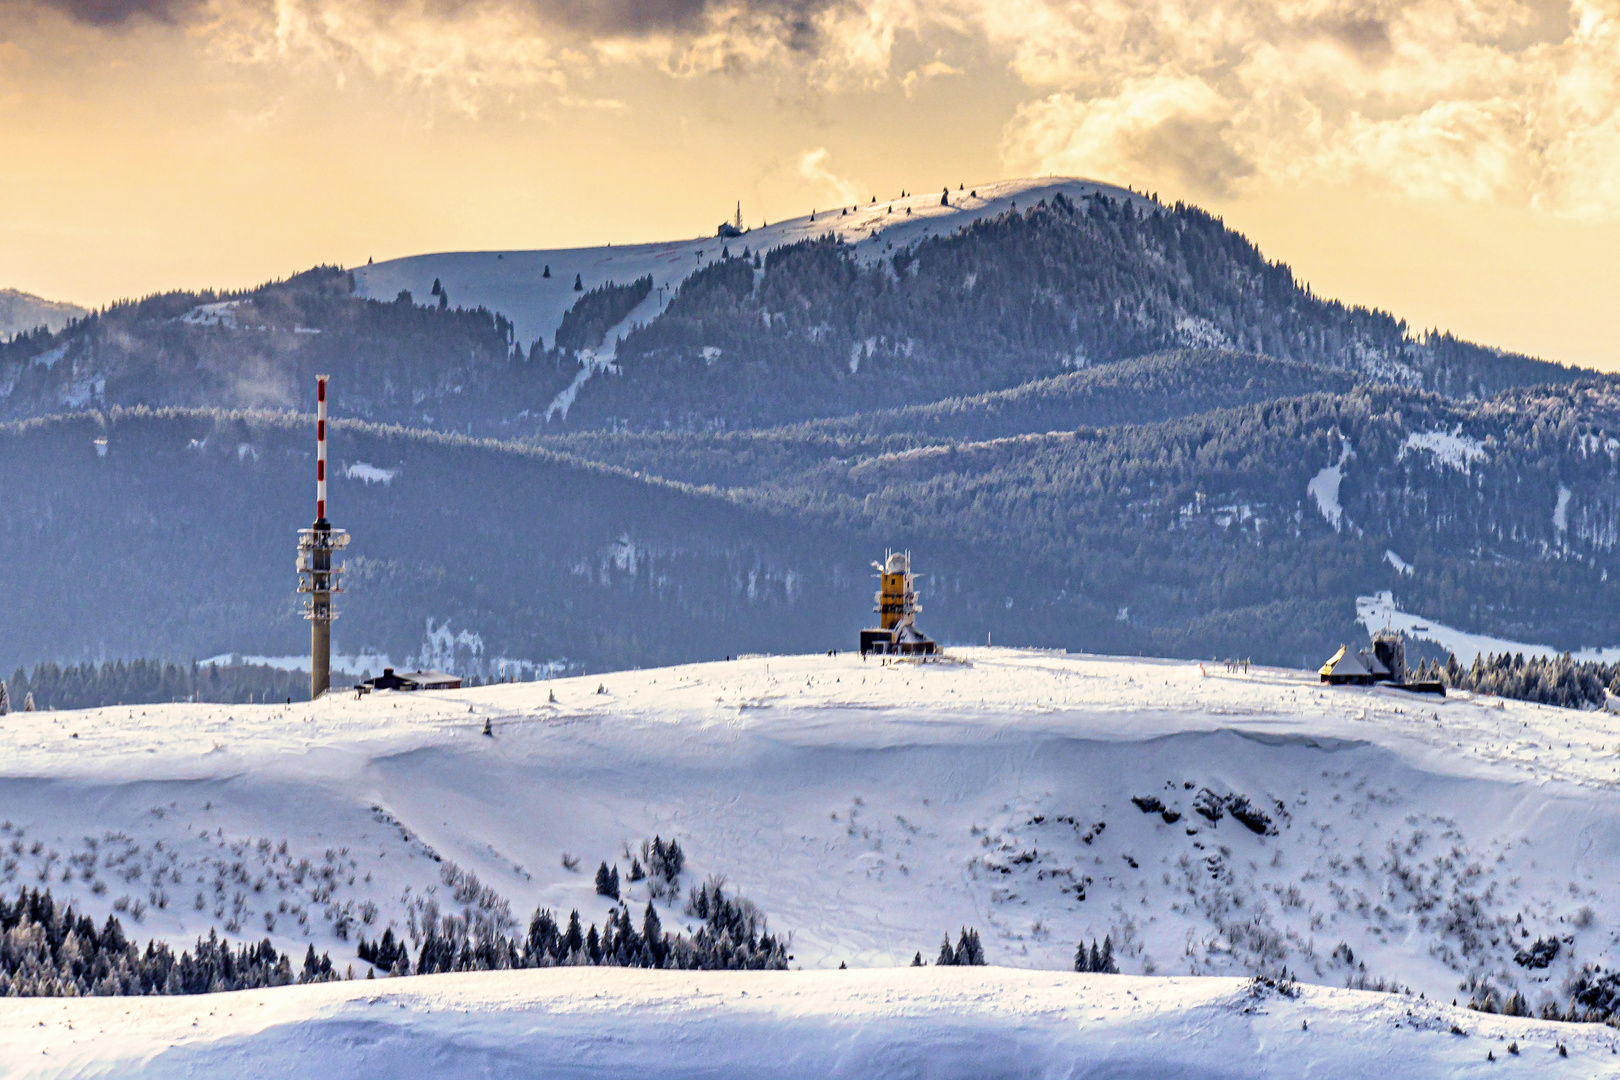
1457, 166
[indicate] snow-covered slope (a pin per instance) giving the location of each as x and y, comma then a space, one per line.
868, 809
513, 282
948, 1023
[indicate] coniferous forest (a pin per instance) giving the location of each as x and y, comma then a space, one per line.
49, 950
1096, 426
142, 682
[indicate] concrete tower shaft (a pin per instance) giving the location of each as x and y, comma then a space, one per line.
318, 577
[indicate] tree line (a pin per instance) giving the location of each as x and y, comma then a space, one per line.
148, 682
49, 950
1547, 680
733, 935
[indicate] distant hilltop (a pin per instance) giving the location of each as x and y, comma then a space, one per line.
534, 289
21, 312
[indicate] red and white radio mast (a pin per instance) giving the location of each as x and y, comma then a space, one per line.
316, 574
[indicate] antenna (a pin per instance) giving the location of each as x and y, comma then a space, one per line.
316, 574
320, 448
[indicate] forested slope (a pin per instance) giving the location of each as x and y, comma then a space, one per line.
810, 330
1248, 530
1148, 389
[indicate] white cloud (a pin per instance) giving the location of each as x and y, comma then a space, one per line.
1161, 127
934, 69
813, 167
1509, 101
1505, 101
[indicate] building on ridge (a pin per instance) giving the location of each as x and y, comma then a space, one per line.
412, 680
897, 608
1384, 663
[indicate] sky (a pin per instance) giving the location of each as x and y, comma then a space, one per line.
1456, 163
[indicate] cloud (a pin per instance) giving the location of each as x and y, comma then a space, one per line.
108, 13
1164, 127
1506, 101
813, 167
932, 70
794, 24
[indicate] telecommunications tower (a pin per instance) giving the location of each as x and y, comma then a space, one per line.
316, 574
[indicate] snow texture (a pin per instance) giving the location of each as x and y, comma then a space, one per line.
513, 282
1401, 565
222, 313
1348, 834
348, 664
1452, 449
1380, 611
1324, 488
370, 474
946, 1023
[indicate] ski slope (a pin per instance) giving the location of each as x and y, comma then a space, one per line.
868, 809
948, 1023
513, 282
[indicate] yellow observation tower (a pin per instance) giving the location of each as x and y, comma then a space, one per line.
897, 608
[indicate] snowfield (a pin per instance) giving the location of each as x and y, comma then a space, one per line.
514, 284
1211, 822
949, 1023
1380, 611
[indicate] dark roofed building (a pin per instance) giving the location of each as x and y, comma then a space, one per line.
1347, 668
412, 680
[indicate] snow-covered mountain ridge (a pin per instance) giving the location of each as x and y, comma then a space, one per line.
948, 1023
1210, 822
514, 282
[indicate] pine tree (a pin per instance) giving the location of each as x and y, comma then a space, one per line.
947, 958
5, 699
548, 271
968, 950
1108, 957
917, 961
28, 702
1095, 960
593, 945
604, 886
579, 284
574, 939
1082, 962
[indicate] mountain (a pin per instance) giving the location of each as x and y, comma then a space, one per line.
1211, 825
1098, 422
170, 532
1251, 529
875, 307
21, 312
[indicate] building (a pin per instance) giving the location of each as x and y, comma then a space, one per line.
412, 680
1346, 668
1384, 663
897, 608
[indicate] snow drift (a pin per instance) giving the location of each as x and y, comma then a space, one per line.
1208, 822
